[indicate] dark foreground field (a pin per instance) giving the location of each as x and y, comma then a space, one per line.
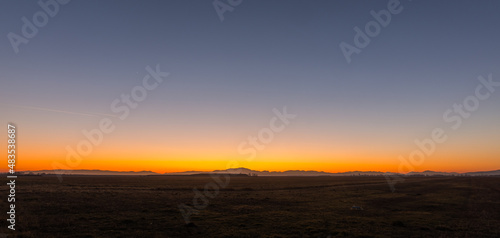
120, 206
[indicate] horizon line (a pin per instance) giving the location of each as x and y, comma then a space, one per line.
264, 171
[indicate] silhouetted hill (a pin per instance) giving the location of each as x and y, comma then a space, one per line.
321, 173
249, 172
91, 172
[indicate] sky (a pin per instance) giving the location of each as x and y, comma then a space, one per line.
227, 78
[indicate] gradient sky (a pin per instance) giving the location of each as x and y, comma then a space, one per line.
226, 78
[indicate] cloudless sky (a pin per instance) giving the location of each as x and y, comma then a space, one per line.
226, 77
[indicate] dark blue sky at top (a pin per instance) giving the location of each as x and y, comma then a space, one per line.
265, 54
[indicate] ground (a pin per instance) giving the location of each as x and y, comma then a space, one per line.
148, 206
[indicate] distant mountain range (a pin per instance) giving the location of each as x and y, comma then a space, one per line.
264, 173
277, 173
90, 172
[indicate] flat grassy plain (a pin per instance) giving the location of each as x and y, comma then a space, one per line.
147, 206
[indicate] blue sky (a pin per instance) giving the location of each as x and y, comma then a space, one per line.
226, 77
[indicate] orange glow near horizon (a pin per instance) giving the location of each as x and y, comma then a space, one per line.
187, 151
168, 166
